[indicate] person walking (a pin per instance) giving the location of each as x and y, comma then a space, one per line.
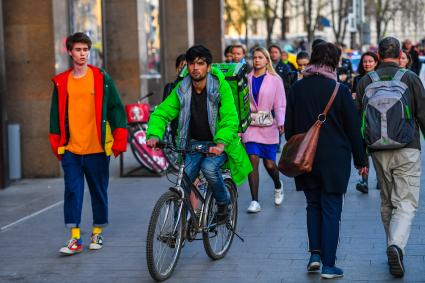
285, 59
261, 140
239, 55
180, 64
280, 68
228, 55
368, 63
87, 124
283, 70
303, 59
396, 156
414, 56
324, 187
405, 60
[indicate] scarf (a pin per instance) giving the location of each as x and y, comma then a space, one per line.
322, 70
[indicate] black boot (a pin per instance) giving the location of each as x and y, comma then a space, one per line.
222, 213
362, 185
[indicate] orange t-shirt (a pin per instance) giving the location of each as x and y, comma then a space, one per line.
82, 115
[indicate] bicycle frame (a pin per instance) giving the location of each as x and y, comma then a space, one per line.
185, 199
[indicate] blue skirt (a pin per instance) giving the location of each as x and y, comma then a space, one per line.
266, 151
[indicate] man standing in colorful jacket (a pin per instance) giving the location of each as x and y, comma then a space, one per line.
204, 105
87, 125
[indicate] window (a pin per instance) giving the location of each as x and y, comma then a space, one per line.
152, 38
86, 16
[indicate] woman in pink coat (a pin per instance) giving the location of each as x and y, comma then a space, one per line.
262, 140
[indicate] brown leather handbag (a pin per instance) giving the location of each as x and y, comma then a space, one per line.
298, 153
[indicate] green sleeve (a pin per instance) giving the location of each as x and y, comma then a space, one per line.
163, 114
116, 113
228, 118
54, 113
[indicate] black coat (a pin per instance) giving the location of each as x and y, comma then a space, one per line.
283, 71
339, 137
416, 64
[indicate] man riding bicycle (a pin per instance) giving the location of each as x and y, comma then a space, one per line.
204, 105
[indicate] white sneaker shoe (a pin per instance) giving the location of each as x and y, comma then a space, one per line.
254, 207
278, 194
96, 242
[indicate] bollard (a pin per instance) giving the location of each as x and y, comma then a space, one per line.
14, 146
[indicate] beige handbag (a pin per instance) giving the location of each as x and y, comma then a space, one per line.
261, 119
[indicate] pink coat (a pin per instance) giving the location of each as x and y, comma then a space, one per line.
271, 98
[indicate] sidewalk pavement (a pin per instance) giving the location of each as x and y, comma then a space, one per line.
275, 247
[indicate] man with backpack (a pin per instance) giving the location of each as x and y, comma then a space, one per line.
393, 100
204, 105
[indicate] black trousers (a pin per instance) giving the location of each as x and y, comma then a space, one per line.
323, 223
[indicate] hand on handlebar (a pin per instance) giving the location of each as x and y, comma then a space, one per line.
152, 142
216, 150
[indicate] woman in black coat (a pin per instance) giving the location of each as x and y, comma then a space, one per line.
339, 138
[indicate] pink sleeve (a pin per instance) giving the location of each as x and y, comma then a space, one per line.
279, 104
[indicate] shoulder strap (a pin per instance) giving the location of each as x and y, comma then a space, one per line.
374, 76
400, 73
331, 100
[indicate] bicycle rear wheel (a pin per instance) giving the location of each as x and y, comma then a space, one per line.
165, 236
218, 238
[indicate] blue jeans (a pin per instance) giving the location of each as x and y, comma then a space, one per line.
95, 167
211, 168
323, 222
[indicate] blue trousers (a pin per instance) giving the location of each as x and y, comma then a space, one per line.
211, 168
95, 167
323, 221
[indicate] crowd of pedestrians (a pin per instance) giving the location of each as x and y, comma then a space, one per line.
388, 77
376, 113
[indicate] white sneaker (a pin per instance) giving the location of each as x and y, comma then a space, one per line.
96, 242
254, 207
278, 194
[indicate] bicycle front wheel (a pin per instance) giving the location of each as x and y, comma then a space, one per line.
165, 236
218, 238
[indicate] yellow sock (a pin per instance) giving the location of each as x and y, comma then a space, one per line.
96, 230
75, 233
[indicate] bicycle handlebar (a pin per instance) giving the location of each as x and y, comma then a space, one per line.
191, 149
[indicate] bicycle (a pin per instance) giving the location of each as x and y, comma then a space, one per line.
169, 228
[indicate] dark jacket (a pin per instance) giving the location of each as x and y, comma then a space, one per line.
416, 64
386, 71
339, 137
291, 78
346, 68
356, 81
283, 70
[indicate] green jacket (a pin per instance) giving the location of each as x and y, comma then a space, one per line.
222, 119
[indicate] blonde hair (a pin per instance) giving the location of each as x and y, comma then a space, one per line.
266, 54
